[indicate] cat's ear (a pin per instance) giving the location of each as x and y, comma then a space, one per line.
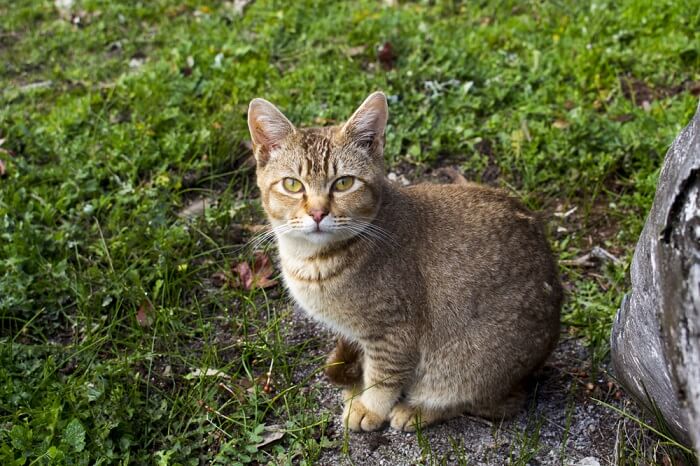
366, 126
268, 128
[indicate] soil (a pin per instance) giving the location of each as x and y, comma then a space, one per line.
564, 423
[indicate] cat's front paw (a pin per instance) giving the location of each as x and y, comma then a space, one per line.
404, 417
357, 417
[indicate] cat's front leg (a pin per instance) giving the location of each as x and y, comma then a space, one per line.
385, 374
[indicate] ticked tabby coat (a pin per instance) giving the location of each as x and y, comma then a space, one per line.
447, 294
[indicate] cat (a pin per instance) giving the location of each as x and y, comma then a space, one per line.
445, 297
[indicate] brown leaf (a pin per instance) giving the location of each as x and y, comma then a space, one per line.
453, 175
623, 118
695, 88
218, 279
196, 207
3, 169
144, 316
561, 124
355, 51
272, 433
257, 276
239, 6
386, 55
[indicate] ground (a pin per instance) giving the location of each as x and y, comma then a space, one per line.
140, 320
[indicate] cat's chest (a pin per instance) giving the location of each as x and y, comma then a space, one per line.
322, 289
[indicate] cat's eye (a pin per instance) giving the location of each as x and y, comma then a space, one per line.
344, 183
292, 185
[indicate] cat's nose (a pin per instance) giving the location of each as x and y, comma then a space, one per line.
318, 214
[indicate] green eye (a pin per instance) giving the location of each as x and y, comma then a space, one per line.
292, 185
344, 183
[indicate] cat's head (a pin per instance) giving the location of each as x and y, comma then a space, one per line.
320, 185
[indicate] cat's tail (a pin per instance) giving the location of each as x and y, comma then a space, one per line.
344, 364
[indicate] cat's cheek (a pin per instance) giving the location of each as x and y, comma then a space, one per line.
280, 207
361, 203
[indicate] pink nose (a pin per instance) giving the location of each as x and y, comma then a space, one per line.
317, 214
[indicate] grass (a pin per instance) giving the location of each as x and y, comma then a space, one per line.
116, 115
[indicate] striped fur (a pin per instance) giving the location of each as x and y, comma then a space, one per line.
445, 298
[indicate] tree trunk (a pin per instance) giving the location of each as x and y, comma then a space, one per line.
656, 335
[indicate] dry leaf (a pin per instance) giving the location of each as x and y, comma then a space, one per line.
257, 276
272, 433
239, 6
196, 207
453, 175
561, 124
386, 55
206, 373
3, 169
355, 51
218, 279
625, 117
144, 315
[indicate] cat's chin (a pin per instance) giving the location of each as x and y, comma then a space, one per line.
316, 239
320, 238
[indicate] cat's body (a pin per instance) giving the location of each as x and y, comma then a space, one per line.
449, 293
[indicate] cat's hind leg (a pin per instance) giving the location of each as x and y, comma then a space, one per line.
505, 408
344, 364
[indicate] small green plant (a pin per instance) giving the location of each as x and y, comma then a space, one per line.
127, 198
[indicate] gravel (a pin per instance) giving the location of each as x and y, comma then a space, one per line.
564, 423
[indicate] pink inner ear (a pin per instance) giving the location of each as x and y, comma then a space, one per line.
268, 126
369, 121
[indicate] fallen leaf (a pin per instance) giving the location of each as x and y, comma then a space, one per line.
270, 434
625, 117
3, 169
561, 124
257, 276
355, 51
453, 175
218, 279
239, 6
196, 207
144, 315
604, 255
386, 55
196, 373
566, 214
695, 89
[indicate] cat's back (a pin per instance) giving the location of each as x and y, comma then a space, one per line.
476, 238
474, 213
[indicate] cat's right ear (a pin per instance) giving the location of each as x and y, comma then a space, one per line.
268, 128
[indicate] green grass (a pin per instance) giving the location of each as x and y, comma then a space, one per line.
101, 155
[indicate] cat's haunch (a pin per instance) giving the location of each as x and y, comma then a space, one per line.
445, 297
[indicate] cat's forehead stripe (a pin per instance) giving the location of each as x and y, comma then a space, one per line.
316, 148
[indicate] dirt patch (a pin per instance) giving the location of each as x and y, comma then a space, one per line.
642, 93
564, 424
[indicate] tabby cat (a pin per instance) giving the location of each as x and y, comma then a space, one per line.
445, 296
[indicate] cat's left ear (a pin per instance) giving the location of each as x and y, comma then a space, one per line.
366, 126
268, 128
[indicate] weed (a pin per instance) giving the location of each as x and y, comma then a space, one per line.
115, 116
